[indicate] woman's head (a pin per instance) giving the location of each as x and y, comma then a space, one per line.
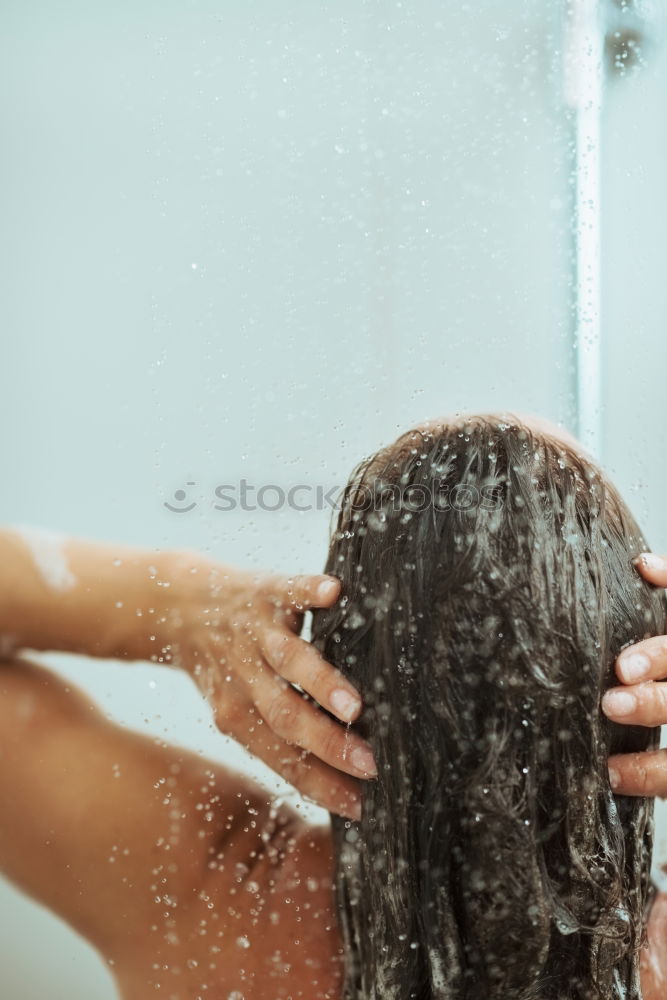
488, 587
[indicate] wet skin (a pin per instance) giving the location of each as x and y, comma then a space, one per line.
173, 867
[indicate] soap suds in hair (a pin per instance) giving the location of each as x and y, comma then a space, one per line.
48, 551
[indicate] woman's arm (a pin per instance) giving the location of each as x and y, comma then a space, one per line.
134, 843
77, 596
107, 827
234, 632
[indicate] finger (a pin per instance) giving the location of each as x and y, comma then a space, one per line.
326, 786
297, 720
237, 716
644, 661
653, 568
639, 773
303, 592
639, 705
299, 662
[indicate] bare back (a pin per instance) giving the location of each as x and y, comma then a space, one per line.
270, 935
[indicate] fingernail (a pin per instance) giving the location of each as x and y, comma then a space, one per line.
362, 759
619, 703
326, 590
344, 704
651, 560
614, 778
634, 665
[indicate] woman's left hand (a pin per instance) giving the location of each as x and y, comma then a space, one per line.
640, 701
236, 633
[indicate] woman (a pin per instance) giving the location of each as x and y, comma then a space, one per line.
192, 884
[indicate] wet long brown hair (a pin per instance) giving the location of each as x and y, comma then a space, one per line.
488, 587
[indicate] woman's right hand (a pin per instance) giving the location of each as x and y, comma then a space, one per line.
236, 632
641, 701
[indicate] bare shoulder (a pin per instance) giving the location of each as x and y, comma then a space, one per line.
274, 868
260, 921
280, 928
